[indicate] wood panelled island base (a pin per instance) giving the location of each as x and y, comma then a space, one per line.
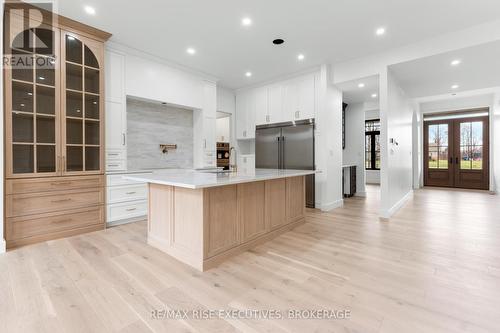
202, 227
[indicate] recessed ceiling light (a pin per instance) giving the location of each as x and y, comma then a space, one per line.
246, 21
301, 57
455, 86
89, 10
380, 31
361, 85
456, 62
190, 50
374, 95
248, 74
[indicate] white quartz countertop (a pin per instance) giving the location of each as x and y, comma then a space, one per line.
197, 179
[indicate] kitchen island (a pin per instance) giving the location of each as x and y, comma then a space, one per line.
203, 218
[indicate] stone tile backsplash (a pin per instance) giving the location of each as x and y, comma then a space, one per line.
150, 124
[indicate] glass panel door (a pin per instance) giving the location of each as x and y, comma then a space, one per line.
33, 122
82, 107
438, 152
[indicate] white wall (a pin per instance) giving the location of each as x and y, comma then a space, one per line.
396, 116
328, 143
495, 118
223, 128
354, 152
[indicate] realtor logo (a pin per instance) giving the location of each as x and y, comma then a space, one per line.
30, 36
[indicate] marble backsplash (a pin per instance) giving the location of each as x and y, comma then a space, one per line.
150, 124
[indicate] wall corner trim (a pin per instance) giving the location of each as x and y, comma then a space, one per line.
3, 246
386, 214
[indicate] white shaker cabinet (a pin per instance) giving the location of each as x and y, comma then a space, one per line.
261, 106
204, 131
245, 115
275, 104
116, 112
299, 101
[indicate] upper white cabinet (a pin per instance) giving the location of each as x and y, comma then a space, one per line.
204, 128
245, 115
289, 100
116, 111
299, 101
275, 104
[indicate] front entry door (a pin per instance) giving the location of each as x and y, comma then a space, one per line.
457, 153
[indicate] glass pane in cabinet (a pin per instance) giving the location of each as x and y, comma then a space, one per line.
45, 100
22, 97
91, 106
92, 158
22, 127
22, 159
74, 131
45, 73
44, 41
74, 158
90, 59
73, 50
91, 132
74, 77
23, 73
45, 158
45, 129
19, 42
91, 80
74, 104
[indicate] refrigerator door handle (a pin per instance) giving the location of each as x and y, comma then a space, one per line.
282, 153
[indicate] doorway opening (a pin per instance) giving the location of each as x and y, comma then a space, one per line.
456, 147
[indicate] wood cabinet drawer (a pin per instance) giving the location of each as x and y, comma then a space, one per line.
42, 224
122, 211
117, 180
26, 204
36, 185
127, 193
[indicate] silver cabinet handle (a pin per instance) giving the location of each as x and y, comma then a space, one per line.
267, 118
113, 165
123, 139
297, 114
131, 192
205, 143
113, 154
244, 134
131, 209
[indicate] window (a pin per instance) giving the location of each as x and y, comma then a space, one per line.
372, 144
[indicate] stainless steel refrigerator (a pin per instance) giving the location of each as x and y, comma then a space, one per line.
287, 146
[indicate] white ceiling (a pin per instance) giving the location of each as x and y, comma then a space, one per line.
352, 93
324, 30
479, 68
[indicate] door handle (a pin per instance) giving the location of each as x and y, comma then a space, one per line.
456, 160
451, 160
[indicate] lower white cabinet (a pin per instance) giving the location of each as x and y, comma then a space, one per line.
126, 200
246, 163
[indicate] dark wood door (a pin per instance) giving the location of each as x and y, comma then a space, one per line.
438, 147
471, 152
457, 153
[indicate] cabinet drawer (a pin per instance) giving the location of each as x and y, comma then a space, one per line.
20, 186
123, 211
117, 180
27, 204
34, 225
127, 193
115, 155
118, 165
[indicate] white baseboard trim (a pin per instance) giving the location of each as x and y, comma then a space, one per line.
386, 214
332, 205
360, 194
3, 246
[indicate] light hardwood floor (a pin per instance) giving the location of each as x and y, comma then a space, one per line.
434, 267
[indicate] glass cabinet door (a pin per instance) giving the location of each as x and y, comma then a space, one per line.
32, 102
82, 104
